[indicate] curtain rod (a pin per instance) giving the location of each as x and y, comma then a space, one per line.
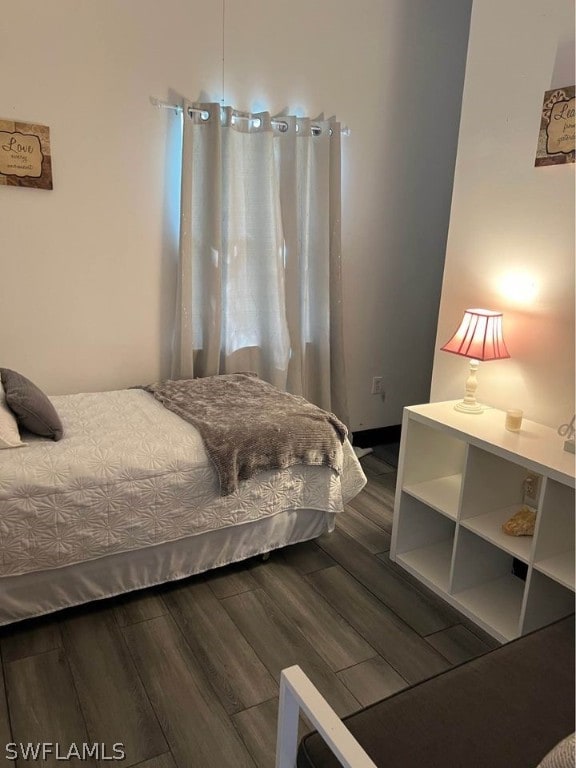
345, 131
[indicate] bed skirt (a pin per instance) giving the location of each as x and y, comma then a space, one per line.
41, 592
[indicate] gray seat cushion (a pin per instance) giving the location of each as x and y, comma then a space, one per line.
505, 709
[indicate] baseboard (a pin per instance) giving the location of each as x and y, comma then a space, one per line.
366, 438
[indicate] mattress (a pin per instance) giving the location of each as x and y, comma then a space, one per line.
130, 474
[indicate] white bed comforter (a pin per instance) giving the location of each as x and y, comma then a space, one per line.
129, 474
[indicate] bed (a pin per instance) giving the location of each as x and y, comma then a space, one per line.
128, 498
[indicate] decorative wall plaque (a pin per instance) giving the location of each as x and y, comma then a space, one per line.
556, 138
25, 155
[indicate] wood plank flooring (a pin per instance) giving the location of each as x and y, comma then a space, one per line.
186, 675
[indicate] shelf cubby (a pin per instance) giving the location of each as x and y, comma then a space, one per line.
477, 561
491, 483
495, 605
432, 455
483, 584
433, 468
430, 563
554, 550
559, 567
441, 493
489, 527
424, 543
546, 601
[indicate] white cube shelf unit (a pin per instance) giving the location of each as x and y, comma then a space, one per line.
460, 477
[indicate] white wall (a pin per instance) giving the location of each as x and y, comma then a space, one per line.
509, 217
88, 270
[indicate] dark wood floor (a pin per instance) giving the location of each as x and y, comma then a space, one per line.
187, 674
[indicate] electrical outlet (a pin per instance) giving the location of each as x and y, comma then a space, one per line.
531, 489
377, 385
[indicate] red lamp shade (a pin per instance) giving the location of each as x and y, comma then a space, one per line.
479, 336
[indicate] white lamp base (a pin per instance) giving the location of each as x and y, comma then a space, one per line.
469, 404
468, 407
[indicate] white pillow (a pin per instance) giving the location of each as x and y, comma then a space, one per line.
9, 434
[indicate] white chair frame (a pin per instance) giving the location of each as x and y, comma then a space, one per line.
297, 693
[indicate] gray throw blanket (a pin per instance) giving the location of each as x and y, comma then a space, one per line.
249, 426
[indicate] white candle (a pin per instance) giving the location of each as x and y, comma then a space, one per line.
514, 419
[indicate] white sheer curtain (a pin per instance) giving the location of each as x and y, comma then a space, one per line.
260, 279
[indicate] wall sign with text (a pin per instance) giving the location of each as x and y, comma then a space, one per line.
25, 155
556, 137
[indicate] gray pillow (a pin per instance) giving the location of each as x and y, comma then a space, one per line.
30, 405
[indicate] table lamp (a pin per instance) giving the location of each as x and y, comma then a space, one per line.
479, 337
